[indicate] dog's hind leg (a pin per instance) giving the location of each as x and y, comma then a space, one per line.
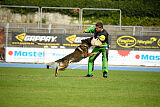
57, 70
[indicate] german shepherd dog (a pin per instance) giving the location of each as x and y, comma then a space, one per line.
79, 53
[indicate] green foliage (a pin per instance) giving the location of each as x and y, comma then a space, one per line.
141, 21
132, 10
30, 21
106, 20
43, 20
137, 8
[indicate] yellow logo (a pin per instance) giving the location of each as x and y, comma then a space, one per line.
71, 38
158, 42
146, 42
102, 37
153, 39
21, 37
126, 41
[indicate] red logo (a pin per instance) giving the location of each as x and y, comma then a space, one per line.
137, 56
10, 52
123, 53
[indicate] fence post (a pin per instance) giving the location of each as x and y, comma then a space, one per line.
134, 29
41, 18
7, 27
80, 17
49, 28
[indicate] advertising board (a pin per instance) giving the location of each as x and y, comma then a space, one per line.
36, 39
66, 40
148, 42
116, 57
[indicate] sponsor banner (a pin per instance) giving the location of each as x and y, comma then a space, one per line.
116, 57
35, 55
24, 54
145, 58
149, 42
74, 40
36, 39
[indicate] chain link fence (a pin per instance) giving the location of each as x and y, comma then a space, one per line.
146, 40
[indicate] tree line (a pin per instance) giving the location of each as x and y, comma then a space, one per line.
134, 12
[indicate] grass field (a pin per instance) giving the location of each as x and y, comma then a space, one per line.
37, 87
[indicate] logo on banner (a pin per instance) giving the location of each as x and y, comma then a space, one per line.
26, 53
74, 39
34, 38
147, 57
21, 37
150, 42
71, 39
123, 52
126, 41
146, 42
158, 42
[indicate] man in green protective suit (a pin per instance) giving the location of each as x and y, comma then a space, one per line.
101, 35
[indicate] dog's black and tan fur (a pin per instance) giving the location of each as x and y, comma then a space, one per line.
79, 53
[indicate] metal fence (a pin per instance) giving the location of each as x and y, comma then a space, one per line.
149, 37
143, 37
79, 11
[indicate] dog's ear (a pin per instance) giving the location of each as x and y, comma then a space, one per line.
90, 39
83, 40
87, 41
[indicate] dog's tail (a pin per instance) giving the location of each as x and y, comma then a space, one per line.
51, 64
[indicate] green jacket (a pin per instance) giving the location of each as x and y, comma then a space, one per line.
90, 30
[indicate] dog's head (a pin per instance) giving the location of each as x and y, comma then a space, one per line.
87, 41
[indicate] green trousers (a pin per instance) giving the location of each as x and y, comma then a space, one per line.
104, 52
